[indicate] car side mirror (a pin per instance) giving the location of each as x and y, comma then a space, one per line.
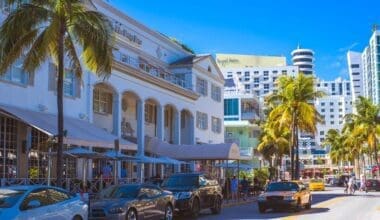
33, 204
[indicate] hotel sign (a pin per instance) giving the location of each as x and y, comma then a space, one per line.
120, 29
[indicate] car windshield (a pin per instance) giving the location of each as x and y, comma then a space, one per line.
316, 181
282, 186
181, 181
9, 197
115, 192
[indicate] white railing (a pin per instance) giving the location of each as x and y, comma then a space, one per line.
72, 185
151, 70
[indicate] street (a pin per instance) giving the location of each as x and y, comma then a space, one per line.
330, 204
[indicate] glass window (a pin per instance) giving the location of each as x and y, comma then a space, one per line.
216, 93
256, 80
216, 125
321, 132
331, 110
231, 106
202, 120
354, 65
247, 87
202, 86
265, 78
9, 197
322, 104
68, 83
39, 195
57, 196
266, 73
256, 72
15, 74
266, 86
323, 110
246, 74
150, 113
102, 101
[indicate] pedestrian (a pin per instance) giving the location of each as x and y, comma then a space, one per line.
227, 188
234, 188
362, 183
244, 187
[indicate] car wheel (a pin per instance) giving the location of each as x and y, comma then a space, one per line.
195, 209
298, 206
262, 208
217, 206
77, 217
168, 212
131, 215
308, 205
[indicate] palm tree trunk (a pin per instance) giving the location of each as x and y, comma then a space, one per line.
293, 132
60, 103
376, 158
297, 169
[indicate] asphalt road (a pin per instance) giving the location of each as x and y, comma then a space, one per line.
330, 204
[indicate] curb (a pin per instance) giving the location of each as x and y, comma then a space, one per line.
232, 204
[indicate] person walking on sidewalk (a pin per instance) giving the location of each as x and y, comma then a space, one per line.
234, 188
244, 187
227, 188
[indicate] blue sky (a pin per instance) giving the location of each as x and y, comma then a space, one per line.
264, 27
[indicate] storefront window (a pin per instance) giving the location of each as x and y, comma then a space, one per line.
8, 147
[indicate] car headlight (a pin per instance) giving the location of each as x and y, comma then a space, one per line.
116, 210
182, 195
289, 198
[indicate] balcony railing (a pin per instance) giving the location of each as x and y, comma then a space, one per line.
249, 115
152, 70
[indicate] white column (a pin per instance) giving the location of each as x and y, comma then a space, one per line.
140, 137
192, 129
90, 98
117, 114
160, 122
89, 167
177, 127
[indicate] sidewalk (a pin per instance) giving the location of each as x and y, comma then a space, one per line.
231, 203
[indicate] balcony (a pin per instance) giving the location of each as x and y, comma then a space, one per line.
152, 70
249, 116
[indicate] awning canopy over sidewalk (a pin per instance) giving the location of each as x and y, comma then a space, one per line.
79, 132
224, 151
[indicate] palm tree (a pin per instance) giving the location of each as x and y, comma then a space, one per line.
366, 124
294, 109
274, 143
339, 152
53, 29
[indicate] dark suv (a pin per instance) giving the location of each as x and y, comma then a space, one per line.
193, 192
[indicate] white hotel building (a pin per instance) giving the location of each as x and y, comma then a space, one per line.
256, 74
156, 89
332, 107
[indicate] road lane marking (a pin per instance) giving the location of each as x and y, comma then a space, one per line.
325, 204
329, 202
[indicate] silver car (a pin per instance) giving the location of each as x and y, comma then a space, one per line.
133, 201
40, 202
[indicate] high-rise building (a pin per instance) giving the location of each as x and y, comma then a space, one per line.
371, 68
354, 61
255, 74
333, 106
304, 59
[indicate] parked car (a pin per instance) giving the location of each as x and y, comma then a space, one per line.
132, 201
279, 195
193, 192
316, 184
42, 202
372, 185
